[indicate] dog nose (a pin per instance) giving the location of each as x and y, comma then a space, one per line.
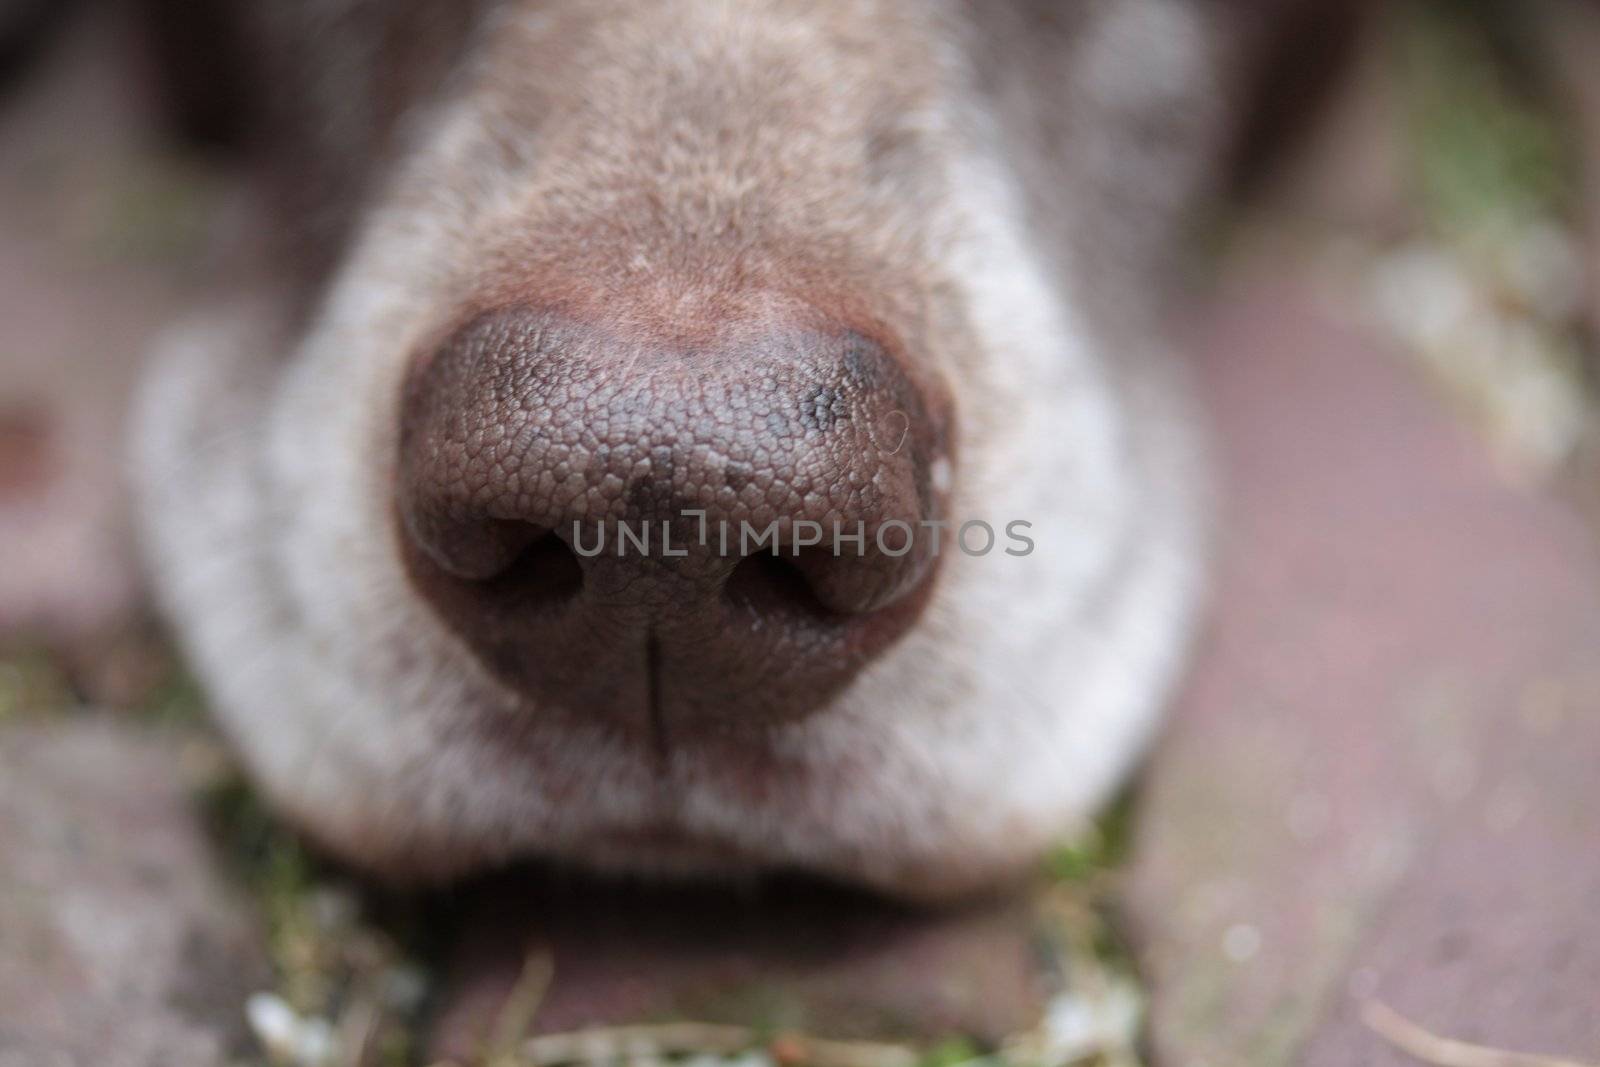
723, 528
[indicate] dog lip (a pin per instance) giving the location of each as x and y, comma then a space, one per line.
670, 846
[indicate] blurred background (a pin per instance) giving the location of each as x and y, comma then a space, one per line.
1371, 836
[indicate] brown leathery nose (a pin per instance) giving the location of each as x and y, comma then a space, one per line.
591, 506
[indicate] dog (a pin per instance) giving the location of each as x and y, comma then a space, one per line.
853, 306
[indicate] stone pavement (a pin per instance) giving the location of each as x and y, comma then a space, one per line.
120, 946
1381, 782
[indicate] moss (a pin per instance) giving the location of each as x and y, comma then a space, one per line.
32, 684
1103, 848
175, 699
338, 953
1487, 156
948, 1053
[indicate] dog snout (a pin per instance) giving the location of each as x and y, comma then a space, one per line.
724, 524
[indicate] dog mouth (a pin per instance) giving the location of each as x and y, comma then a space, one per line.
666, 848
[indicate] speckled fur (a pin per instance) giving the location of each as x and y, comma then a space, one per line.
1002, 184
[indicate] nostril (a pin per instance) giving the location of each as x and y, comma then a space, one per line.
471, 549
775, 586
544, 574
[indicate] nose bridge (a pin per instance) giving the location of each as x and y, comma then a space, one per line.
670, 93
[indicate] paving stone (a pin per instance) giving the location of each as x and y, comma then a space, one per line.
1379, 780
98, 248
119, 944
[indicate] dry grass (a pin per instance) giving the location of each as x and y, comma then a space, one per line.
1430, 1048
